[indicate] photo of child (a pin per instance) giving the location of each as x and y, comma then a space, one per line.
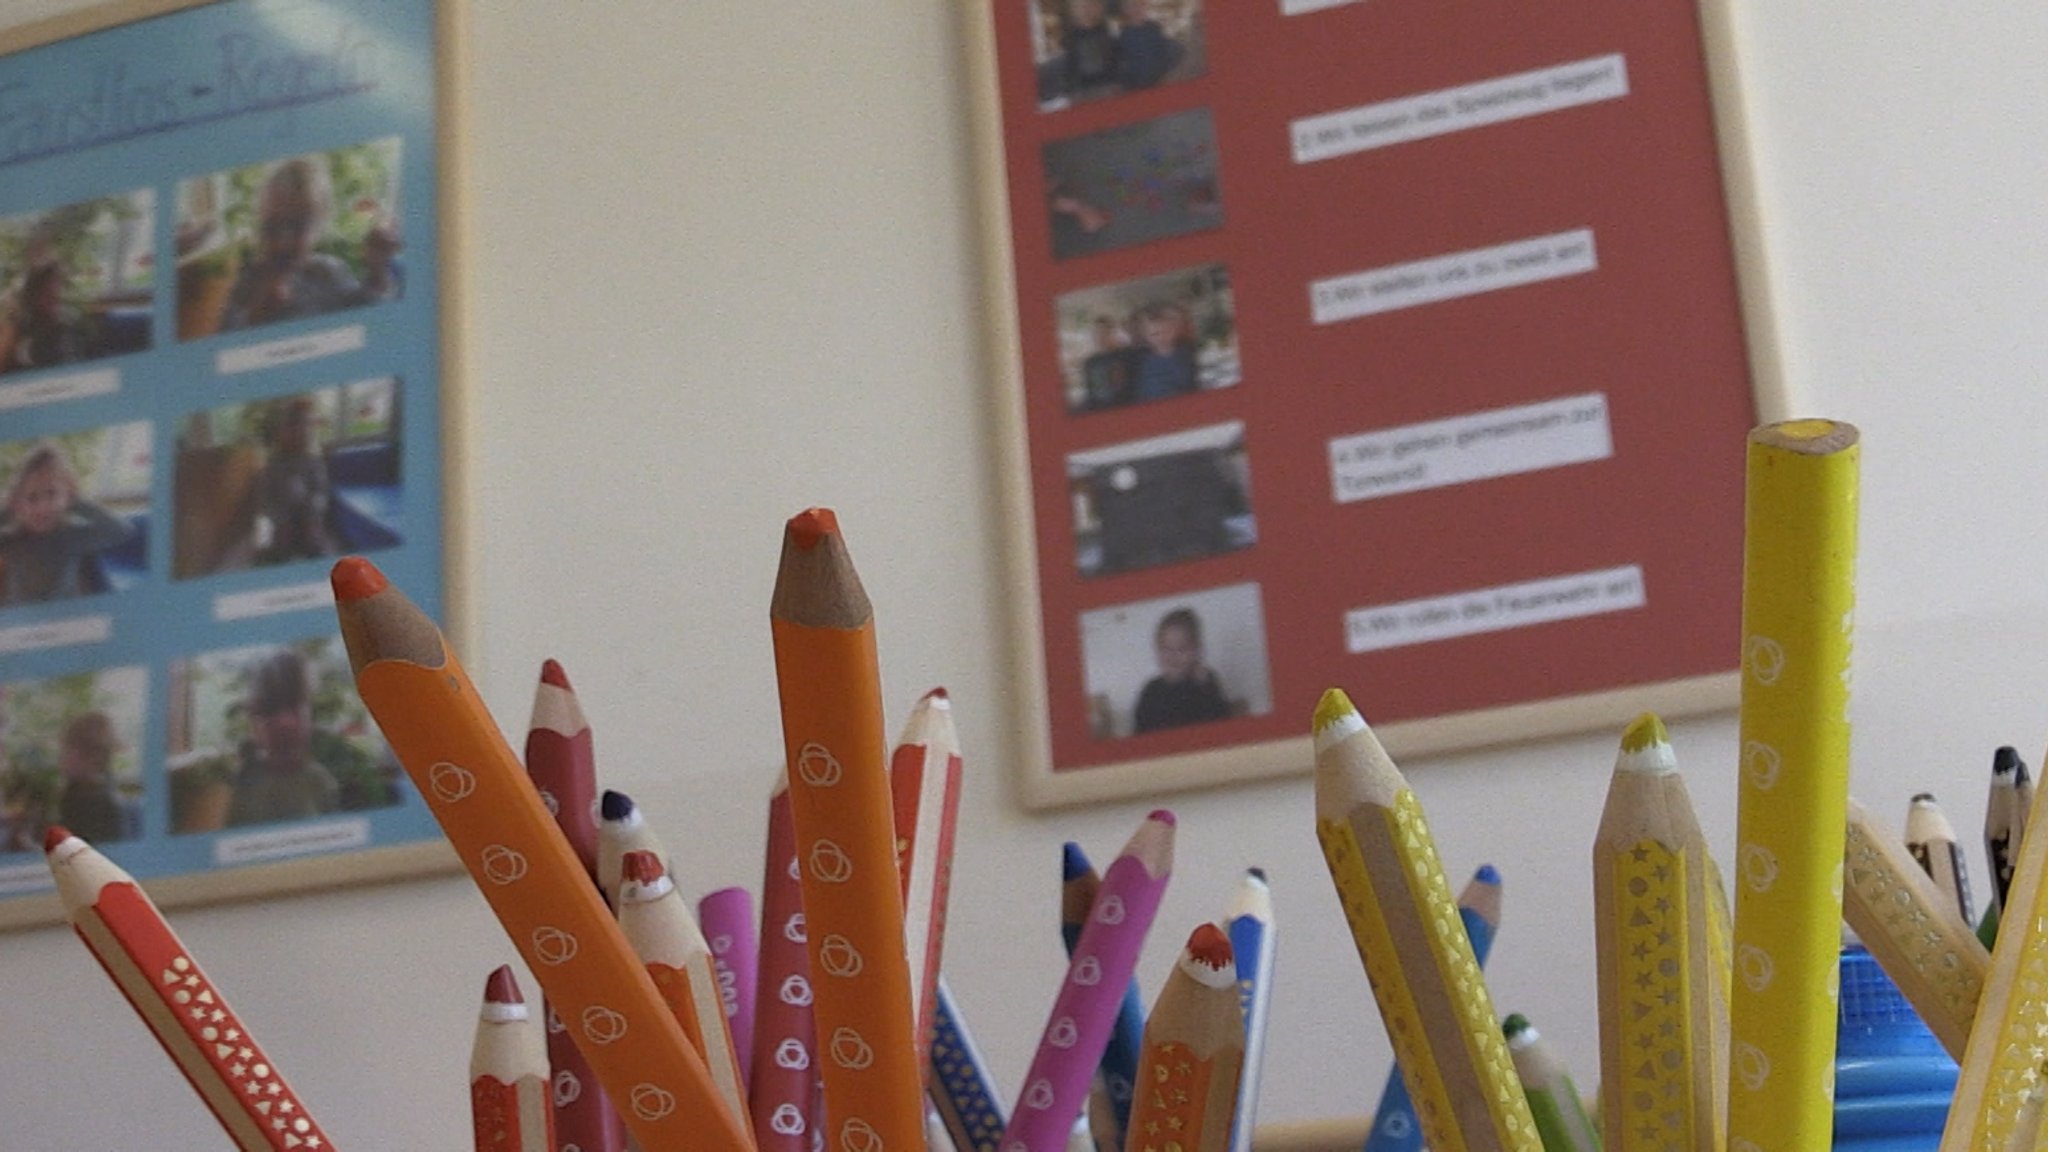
292, 478
1164, 500
272, 733
1148, 339
1194, 658
76, 282
1090, 49
301, 236
76, 520
68, 755
1133, 183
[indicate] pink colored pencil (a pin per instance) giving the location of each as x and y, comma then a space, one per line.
924, 785
728, 919
562, 764
782, 1079
508, 1073
1056, 1087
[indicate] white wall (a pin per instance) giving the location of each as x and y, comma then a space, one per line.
729, 270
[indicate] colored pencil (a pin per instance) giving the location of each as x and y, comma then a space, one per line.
1553, 1099
561, 761
1431, 995
2005, 820
189, 1016
1252, 942
1098, 974
657, 923
1798, 600
622, 827
1109, 1103
1194, 1052
457, 757
1394, 1125
508, 1073
1650, 906
1906, 923
831, 694
727, 916
924, 786
962, 1091
1931, 840
2002, 1063
782, 1080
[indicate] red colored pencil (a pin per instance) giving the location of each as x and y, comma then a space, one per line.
924, 785
508, 1073
782, 1080
188, 1015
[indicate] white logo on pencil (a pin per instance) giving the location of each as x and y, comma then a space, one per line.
451, 782
790, 1055
793, 929
1039, 1095
1766, 660
850, 1050
568, 1089
787, 1120
554, 1021
857, 1135
1088, 972
1752, 1067
792, 870
652, 1103
1063, 1033
839, 957
1762, 764
1110, 909
795, 990
722, 943
502, 865
548, 801
1755, 965
818, 767
553, 946
1759, 867
601, 1025
830, 864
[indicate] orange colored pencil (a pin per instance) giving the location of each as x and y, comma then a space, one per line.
1194, 1052
238, 1083
825, 668
924, 780
508, 1073
457, 757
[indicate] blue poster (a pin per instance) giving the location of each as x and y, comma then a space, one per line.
220, 368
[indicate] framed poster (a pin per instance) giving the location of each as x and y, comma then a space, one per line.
1389, 346
227, 280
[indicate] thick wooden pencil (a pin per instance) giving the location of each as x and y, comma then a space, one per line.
727, 917
831, 693
1099, 972
622, 827
1906, 923
1194, 1052
1252, 945
1109, 1100
924, 786
2005, 820
1431, 995
183, 1009
561, 760
453, 749
508, 1073
1553, 1098
1650, 904
782, 1081
658, 925
1798, 601
1931, 840
962, 1091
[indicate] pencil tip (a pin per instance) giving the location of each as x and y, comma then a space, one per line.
1487, 874
355, 578
2005, 761
1923, 798
615, 805
551, 673
641, 867
1334, 708
1517, 1026
1209, 946
1644, 731
1258, 874
1074, 863
811, 525
502, 987
55, 836
1162, 816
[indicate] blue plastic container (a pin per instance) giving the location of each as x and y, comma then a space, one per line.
1893, 1079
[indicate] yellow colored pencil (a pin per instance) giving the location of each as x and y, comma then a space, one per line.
1910, 927
1418, 960
1798, 593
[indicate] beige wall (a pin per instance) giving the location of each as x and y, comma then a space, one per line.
728, 268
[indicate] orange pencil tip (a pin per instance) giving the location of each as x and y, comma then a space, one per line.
355, 578
55, 836
1209, 946
812, 525
551, 673
502, 988
641, 867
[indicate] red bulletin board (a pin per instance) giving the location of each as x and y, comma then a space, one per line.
1363, 343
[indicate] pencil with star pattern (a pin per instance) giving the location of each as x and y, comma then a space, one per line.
508, 1073
561, 761
962, 1091
727, 917
782, 1081
456, 755
1194, 1052
924, 787
830, 687
191, 1019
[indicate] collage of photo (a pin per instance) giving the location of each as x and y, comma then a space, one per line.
279, 476
1183, 492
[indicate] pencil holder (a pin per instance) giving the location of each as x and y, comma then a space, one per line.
1893, 1080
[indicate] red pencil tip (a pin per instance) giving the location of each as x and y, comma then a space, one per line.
812, 525
938, 693
551, 673
501, 988
1164, 817
55, 836
1209, 946
355, 578
641, 867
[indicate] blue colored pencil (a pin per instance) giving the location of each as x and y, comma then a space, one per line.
1250, 925
1118, 1072
960, 1087
1394, 1126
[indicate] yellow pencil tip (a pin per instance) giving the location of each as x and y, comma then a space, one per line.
1333, 708
1644, 731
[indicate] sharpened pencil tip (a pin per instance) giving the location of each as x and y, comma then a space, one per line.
1209, 946
615, 805
1516, 1027
811, 525
641, 867
502, 987
1334, 708
1487, 874
355, 578
551, 673
1074, 863
1162, 816
1258, 874
2005, 761
938, 697
1923, 798
55, 836
1644, 731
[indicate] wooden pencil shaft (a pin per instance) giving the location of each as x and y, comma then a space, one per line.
1908, 927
